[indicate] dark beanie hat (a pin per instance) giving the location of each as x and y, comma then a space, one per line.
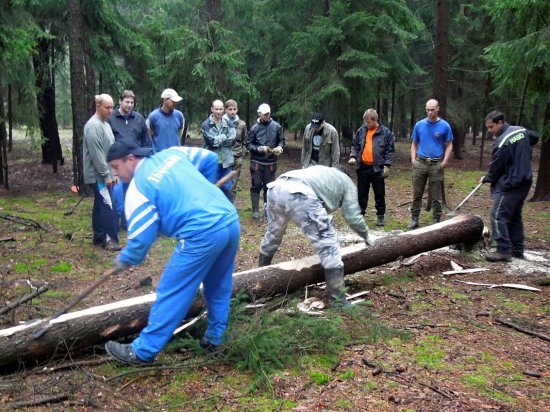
124, 147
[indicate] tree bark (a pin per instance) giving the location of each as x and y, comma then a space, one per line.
101, 323
79, 101
45, 99
542, 186
441, 58
3, 143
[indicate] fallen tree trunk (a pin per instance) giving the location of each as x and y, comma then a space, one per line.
99, 324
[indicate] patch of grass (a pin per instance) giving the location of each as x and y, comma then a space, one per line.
319, 378
515, 305
347, 375
545, 310
482, 383
370, 385
61, 267
429, 354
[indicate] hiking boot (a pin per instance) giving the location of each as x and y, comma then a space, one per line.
413, 224
123, 353
498, 257
380, 220
210, 347
112, 246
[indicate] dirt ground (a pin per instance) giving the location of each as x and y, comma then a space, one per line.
460, 355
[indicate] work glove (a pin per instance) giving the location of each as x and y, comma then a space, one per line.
264, 149
352, 161
119, 266
385, 172
277, 151
370, 240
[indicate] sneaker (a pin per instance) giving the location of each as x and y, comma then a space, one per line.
380, 220
498, 257
413, 224
112, 246
256, 215
210, 347
123, 353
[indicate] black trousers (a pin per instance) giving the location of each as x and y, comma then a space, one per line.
367, 177
261, 176
506, 220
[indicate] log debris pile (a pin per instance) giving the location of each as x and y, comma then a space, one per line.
102, 323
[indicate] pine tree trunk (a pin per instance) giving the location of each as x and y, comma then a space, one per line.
45, 97
3, 142
441, 58
79, 96
542, 187
101, 323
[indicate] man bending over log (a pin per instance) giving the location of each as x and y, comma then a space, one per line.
167, 194
307, 197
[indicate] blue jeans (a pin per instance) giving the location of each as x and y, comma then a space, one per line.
208, 258
104, 217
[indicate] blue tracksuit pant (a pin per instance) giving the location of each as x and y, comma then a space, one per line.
208, 258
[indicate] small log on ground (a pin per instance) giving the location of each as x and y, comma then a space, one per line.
98, 324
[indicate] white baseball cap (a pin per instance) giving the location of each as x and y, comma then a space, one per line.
171, 94
264, 108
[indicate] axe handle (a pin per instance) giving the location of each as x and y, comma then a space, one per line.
76, 300
467, 197
226, 178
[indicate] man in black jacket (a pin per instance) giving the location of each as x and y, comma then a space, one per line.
510, 176
265, 142
126, 123
372, 151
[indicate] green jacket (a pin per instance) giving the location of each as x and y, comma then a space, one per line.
336, 190
329, 148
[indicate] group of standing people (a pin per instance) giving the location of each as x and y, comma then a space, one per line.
150, 159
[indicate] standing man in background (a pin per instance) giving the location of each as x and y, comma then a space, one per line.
265, 142
98, 138
219, 138
232, 119
510, 176
165, 124
374, 146
127, 123
321, 144
431, 148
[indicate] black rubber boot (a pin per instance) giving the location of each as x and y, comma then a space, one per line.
264, 260
413, 224
255, 199
336, 287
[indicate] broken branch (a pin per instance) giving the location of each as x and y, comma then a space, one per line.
522, 329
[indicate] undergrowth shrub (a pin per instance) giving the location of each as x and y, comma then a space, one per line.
267, 341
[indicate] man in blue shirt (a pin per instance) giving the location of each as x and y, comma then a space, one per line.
431, 150
166, 123
168, 195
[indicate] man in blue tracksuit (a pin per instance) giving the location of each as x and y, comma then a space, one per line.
510, 176
168, 195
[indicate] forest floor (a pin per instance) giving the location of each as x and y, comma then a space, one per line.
420, 341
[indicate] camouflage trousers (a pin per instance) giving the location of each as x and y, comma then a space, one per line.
289, 199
